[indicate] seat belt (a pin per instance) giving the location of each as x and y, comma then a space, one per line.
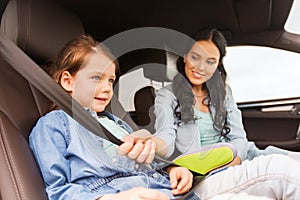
46, 85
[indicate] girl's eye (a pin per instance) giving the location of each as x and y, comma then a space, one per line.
97, 78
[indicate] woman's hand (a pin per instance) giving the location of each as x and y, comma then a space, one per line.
138, 146
138, 193
181, 180
236, 161
141, 146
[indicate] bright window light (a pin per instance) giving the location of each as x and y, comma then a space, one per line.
262, 73
292, 24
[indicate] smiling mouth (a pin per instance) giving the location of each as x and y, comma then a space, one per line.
102, 100
198, 74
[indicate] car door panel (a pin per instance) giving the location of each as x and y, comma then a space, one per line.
273, 125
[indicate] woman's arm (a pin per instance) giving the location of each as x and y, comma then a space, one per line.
237, 133
142, 146
165, 123
137, 144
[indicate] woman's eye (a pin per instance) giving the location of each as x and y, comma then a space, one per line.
194, 57
211, 62
112, 81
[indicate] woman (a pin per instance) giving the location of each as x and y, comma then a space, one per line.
198, 108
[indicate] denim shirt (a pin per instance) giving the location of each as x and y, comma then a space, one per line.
74, 164
186, 137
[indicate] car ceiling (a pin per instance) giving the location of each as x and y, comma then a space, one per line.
253, 22
246, 22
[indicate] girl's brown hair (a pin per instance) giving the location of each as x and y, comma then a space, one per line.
73, 55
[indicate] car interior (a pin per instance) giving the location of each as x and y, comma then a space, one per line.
39, 28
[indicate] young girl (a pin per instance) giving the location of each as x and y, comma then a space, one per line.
75, 163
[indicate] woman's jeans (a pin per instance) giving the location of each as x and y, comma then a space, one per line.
274, 176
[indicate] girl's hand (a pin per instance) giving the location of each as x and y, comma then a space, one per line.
181, 180
138, 193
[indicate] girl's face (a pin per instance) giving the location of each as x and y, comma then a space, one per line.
92, 85
201, 62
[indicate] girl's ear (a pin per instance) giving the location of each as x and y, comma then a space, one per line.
66, 81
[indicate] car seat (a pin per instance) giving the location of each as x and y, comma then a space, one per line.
143, 103
39, 33
162, 74
40, 28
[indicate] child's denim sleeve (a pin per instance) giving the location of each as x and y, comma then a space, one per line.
48, 141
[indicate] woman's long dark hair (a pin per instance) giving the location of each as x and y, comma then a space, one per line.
215, 86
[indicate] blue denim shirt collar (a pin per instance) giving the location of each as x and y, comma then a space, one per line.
119, 121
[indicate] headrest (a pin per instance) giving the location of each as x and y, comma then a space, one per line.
39, 27
160, 72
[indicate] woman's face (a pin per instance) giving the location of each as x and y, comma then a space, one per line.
92, 85
201, 62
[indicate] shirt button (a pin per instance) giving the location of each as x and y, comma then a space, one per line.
155, 175
114, 160
136, 166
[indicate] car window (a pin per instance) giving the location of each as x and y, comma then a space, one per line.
129, 84
255, 74
260, 73
292, 24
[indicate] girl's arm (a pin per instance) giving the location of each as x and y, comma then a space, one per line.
49, 146
181, 179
